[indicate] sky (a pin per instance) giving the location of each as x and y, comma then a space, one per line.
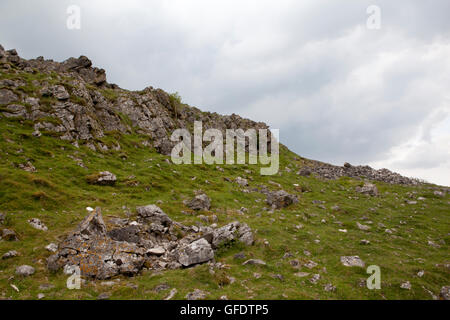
338, 89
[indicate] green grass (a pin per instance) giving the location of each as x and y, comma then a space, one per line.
60, 190
58, 194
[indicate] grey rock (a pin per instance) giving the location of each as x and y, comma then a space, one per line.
368, 188
52, 247
200, 202
7, 97
196, 252
10, 254
352, 261
37, 224
230, 232
362, 226
105, 178
197, 295
25, 271
445, 293
241, 181
9, 235
154, 214
406, 285
254, 262
280, 199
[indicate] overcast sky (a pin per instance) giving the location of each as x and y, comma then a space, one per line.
337, 90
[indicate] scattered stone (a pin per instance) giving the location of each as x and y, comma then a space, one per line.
40, 296
301, 274
254, 262
37, 224
362, 226
197, 295
200, 202
257, 275
329, 287
315, 278
420, 273
241, 181
406, 285
104, 178
445, 293
369, 189
239, 256
364, 242
280, 199
172, 293
46, 286
104, 296
25, 270
310, 264
232, 231
352, 261
9, 235
10, 254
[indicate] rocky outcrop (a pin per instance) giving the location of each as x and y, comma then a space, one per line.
328, 171
155, 242
85, 107
200, 202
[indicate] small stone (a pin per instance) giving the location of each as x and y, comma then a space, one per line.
315, 278
329, 287
37, 224
10, 254
301, 274
362, 227
406, 285
420, 273
197, 295
157, 251
9, 235
104, 296
352, 261
172, 293
364, 242
239, 256
445, 293
40, 296
25, 270
52, 247
254, 262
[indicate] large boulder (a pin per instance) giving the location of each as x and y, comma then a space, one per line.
280, 199
196, 252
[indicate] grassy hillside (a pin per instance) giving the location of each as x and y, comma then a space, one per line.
58, 194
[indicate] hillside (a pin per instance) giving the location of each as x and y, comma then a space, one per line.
62, 124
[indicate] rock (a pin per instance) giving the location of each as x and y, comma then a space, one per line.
2, 218
172, 293
310, 264
301, 274
241, 181
196, 252
7, 97
362, 226
37, 224
329, 287
93, 225
40, 296
10, 254
25, 271
364, 242
46, 286
439, 193
196, 295
352, 261
420, 273
104, 178
9, 235
304, 172
157, 251
200, 202
406, 285
315, 278
104, 296
28, 167
60, 93
445, 293
368, 188
254, 262
154, 214
239, 256
230, 232
280, 199
52, 247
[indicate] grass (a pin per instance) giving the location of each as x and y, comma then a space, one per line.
61, 189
